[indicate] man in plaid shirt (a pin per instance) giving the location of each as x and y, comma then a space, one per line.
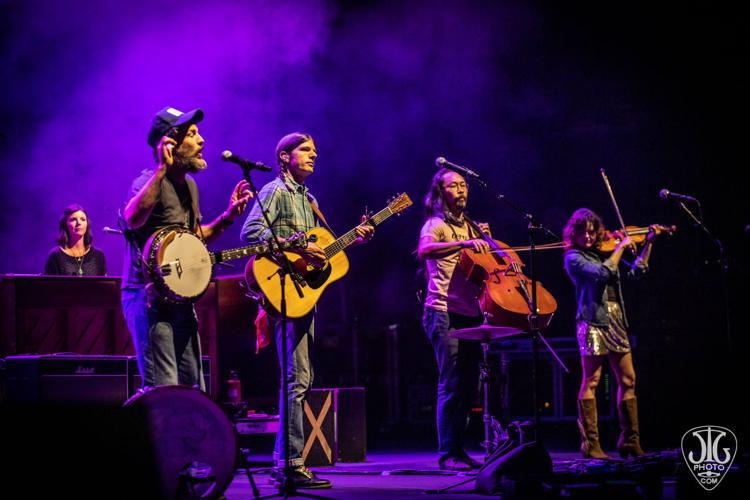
289, 206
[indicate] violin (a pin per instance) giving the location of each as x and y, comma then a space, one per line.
638, 235
505, 299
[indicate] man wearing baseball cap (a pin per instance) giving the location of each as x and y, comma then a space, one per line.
165, 335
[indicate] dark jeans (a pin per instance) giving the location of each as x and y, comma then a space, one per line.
294, 386
458, 375
166, 340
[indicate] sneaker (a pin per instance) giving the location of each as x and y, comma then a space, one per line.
459, 461
301, 477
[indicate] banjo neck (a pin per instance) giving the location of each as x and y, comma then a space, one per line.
238, 253
297, 241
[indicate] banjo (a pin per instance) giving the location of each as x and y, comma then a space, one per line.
180, 267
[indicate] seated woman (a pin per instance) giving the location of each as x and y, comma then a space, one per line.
75, 254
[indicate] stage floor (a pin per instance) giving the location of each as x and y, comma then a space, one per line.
406, 474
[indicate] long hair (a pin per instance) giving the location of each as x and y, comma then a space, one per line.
577, 225
288, 143
63, 238
434, 203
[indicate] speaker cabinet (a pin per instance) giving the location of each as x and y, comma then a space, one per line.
334, 426
67, 378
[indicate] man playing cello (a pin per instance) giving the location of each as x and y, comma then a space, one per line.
451, 303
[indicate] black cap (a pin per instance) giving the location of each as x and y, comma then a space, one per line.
168, 118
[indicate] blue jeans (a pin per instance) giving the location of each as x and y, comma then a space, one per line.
166, 340
293, 387
458, 375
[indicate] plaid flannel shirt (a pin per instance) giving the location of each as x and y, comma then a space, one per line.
288, 210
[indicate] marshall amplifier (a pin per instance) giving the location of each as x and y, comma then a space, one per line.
67, 379
334, 426
135, 376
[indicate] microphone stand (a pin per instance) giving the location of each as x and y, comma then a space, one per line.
723, 263
286, 487
536, 333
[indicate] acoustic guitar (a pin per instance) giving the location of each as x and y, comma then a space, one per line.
307, 283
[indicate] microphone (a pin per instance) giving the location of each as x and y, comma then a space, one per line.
111, 230
669, 195
251, 165
443, 163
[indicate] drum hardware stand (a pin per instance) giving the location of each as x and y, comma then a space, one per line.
245, 459
192, 474
286, 487
494, 434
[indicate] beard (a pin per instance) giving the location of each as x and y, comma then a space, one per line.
190, 164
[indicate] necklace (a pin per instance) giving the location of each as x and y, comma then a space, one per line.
77, 258
79, 261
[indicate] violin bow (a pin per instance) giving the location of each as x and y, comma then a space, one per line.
617, 208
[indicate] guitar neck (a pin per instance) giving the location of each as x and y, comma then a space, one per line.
238, 253
348, 238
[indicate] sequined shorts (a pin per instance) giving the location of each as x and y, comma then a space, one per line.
600, 341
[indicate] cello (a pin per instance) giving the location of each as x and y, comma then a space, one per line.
505, 298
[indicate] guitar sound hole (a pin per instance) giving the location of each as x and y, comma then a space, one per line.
318, 277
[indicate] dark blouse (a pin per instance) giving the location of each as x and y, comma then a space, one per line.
61, 264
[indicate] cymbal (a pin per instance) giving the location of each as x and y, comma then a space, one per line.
485, 332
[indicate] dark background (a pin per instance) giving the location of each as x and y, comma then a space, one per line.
535, 96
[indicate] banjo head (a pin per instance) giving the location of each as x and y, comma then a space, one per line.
180, 264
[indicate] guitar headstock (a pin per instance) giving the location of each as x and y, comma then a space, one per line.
296, 241
399, 203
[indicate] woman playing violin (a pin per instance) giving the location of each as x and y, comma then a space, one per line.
601, 325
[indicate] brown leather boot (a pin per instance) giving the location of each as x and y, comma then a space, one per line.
588, 424
629, 443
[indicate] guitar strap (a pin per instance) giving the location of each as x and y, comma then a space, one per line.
318, 213
196, 217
